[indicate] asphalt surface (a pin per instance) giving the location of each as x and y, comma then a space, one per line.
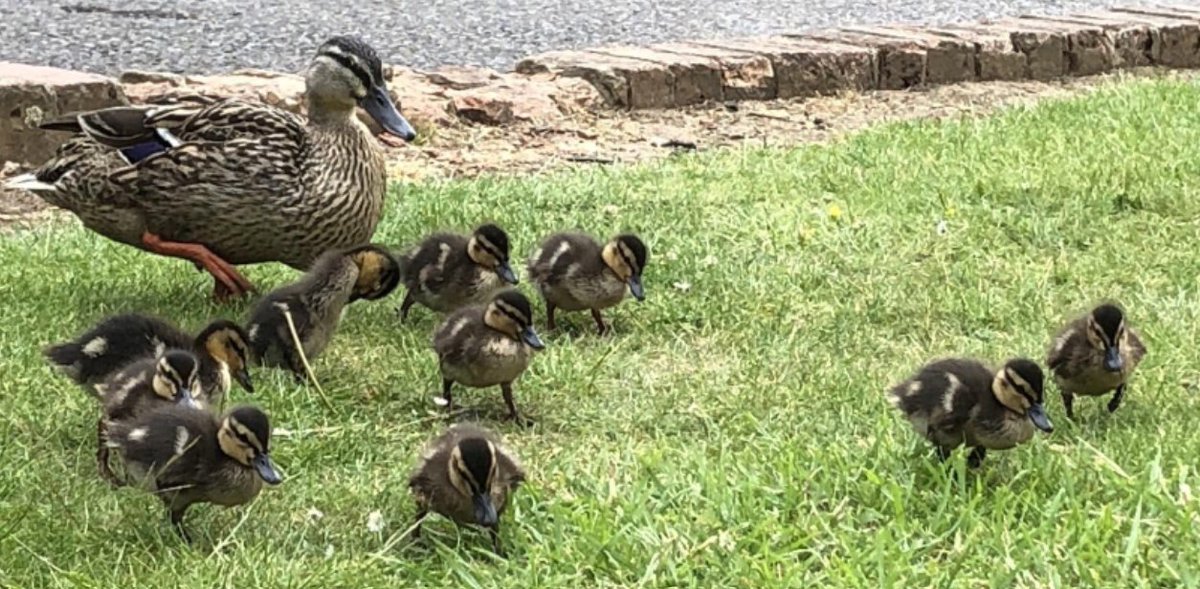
205, 36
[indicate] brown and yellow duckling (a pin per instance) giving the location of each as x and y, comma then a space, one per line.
186, 455
117, 341
960, 401
315, 303
171, 378
467, 475
1093, 355
573, 272
448, 271
487, 345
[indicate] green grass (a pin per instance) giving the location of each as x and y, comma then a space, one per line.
733, 433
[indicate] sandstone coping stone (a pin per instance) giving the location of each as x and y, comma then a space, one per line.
806, 67
621, 82
31, 94
694, 79
1045, 51
1133, 42
1089, 50
995, 56
744, 75
947, 60
900, 62
1178, 33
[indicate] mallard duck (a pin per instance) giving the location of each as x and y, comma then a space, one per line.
447, 271
960, 401
487, 345
466, 475
170, 378
316, 302
117, 341
228, 182
1095, 354
574, 272
185, 455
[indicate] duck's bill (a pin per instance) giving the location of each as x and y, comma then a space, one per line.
242, 376
266, 469
529, 336
379, 105
485, 512
506, 272
1112, 359
184, 397
1037, 414
635, 288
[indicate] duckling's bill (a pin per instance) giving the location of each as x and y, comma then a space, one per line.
379, 105
506, 272
485, 512
529, 336
635, 288
242, 376
185, 398
266, 469
1112, 359
1037, 414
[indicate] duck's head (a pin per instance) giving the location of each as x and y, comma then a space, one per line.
488, 247
345, 73
177, 377
378, 272
626, 256
510, 314
1018, 386
225, 341
245, 436
1105, 331
473, 474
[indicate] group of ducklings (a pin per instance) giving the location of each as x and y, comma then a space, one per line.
957, 402
159, 388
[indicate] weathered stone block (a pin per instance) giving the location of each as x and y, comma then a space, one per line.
806, 67
621, 82
695, 79
1176, 32
995, 56
1089, 50
744, 75
947, 60
1045, 51
30, 94
1132, 41
900, 62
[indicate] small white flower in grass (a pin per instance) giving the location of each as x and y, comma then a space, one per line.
440, 401
314, 514
375, 522
329, 551
942, 227
684, 286
709, 261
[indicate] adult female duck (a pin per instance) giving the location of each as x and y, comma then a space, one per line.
229, 182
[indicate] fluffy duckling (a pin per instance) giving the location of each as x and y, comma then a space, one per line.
448, 271
959, 401
466, 475
117, 341
574, 272
1093, 355
171, 378
316, 302
185, 455
483, 346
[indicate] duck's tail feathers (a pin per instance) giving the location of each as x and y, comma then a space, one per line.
29, 182
67, 358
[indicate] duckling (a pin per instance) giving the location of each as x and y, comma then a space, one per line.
483, 346
316, 303
1093, 355
574, 272
465, 474
447, 271
117, 341
185, 455
959, 401
171, 378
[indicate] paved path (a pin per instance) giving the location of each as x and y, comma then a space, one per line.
215, 35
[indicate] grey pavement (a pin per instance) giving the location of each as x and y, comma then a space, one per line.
205, 36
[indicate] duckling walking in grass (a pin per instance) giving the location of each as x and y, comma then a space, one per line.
484, 346
185, 455
573, 272
120, 340
466, 475
959, 401
447, 271
315, 304
172, 378
1093, 355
